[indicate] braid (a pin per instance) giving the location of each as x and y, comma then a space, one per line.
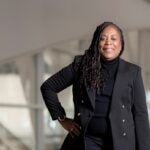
91, 67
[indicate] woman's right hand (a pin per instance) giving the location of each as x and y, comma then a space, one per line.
71, 126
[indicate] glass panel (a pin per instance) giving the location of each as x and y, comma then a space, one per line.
16, 129
11, 86
18, 81
11, 89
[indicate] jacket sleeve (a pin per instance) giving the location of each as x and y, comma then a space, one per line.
140, 114
56, 83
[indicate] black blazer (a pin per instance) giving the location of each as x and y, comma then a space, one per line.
128, 112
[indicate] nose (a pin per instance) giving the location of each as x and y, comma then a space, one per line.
108, 41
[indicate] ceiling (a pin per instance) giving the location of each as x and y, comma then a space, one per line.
32, 25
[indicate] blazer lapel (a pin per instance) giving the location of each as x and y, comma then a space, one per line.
120, 80
119, 83
91, 94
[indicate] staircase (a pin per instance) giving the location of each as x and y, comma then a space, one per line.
8, 141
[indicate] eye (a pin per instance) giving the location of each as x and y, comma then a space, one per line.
114, 38
102, 38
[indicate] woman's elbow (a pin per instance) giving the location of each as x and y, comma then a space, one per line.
43, 87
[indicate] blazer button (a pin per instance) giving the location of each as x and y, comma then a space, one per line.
123, 106
123, 120
78, 114
124, 134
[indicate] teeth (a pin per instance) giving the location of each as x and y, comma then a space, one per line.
108, 49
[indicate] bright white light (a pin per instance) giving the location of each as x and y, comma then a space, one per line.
52, 124
148, 96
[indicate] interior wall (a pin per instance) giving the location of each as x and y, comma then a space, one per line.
30, 25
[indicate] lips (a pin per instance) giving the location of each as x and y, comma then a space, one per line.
108, 49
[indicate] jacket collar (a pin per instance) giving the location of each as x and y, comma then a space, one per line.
119, 79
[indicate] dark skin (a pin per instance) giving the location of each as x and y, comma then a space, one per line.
71, 126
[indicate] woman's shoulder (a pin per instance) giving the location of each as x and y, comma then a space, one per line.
78, 58
130, 65
77, 62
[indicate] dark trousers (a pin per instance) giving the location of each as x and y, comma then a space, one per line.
94, 143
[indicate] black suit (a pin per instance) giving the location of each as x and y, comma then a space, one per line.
128, 112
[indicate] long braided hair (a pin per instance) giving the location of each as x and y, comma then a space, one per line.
91, 66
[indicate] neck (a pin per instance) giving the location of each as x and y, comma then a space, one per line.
105, 61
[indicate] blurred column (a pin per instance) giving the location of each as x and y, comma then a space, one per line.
131, 52
39, 117
31, 70
144, 53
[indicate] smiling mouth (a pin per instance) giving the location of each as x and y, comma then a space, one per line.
108, 49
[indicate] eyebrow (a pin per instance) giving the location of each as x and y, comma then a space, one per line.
111, 35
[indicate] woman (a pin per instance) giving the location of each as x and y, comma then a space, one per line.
108, 96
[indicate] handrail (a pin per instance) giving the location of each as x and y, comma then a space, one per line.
31, 106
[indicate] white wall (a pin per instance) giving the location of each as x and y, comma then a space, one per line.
29, 25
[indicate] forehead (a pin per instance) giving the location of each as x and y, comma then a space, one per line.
111, 29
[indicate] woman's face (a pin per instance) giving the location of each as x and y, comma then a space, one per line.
110, 43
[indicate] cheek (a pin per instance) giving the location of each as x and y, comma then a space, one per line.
100, 44
118, 46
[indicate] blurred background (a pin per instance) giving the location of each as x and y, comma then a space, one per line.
39, 37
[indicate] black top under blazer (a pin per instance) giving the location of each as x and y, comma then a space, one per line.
128, 111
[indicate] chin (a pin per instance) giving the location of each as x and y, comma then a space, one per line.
108, 57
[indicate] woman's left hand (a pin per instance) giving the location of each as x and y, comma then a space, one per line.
71, 126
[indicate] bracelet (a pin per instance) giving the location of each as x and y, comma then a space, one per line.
61, 119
